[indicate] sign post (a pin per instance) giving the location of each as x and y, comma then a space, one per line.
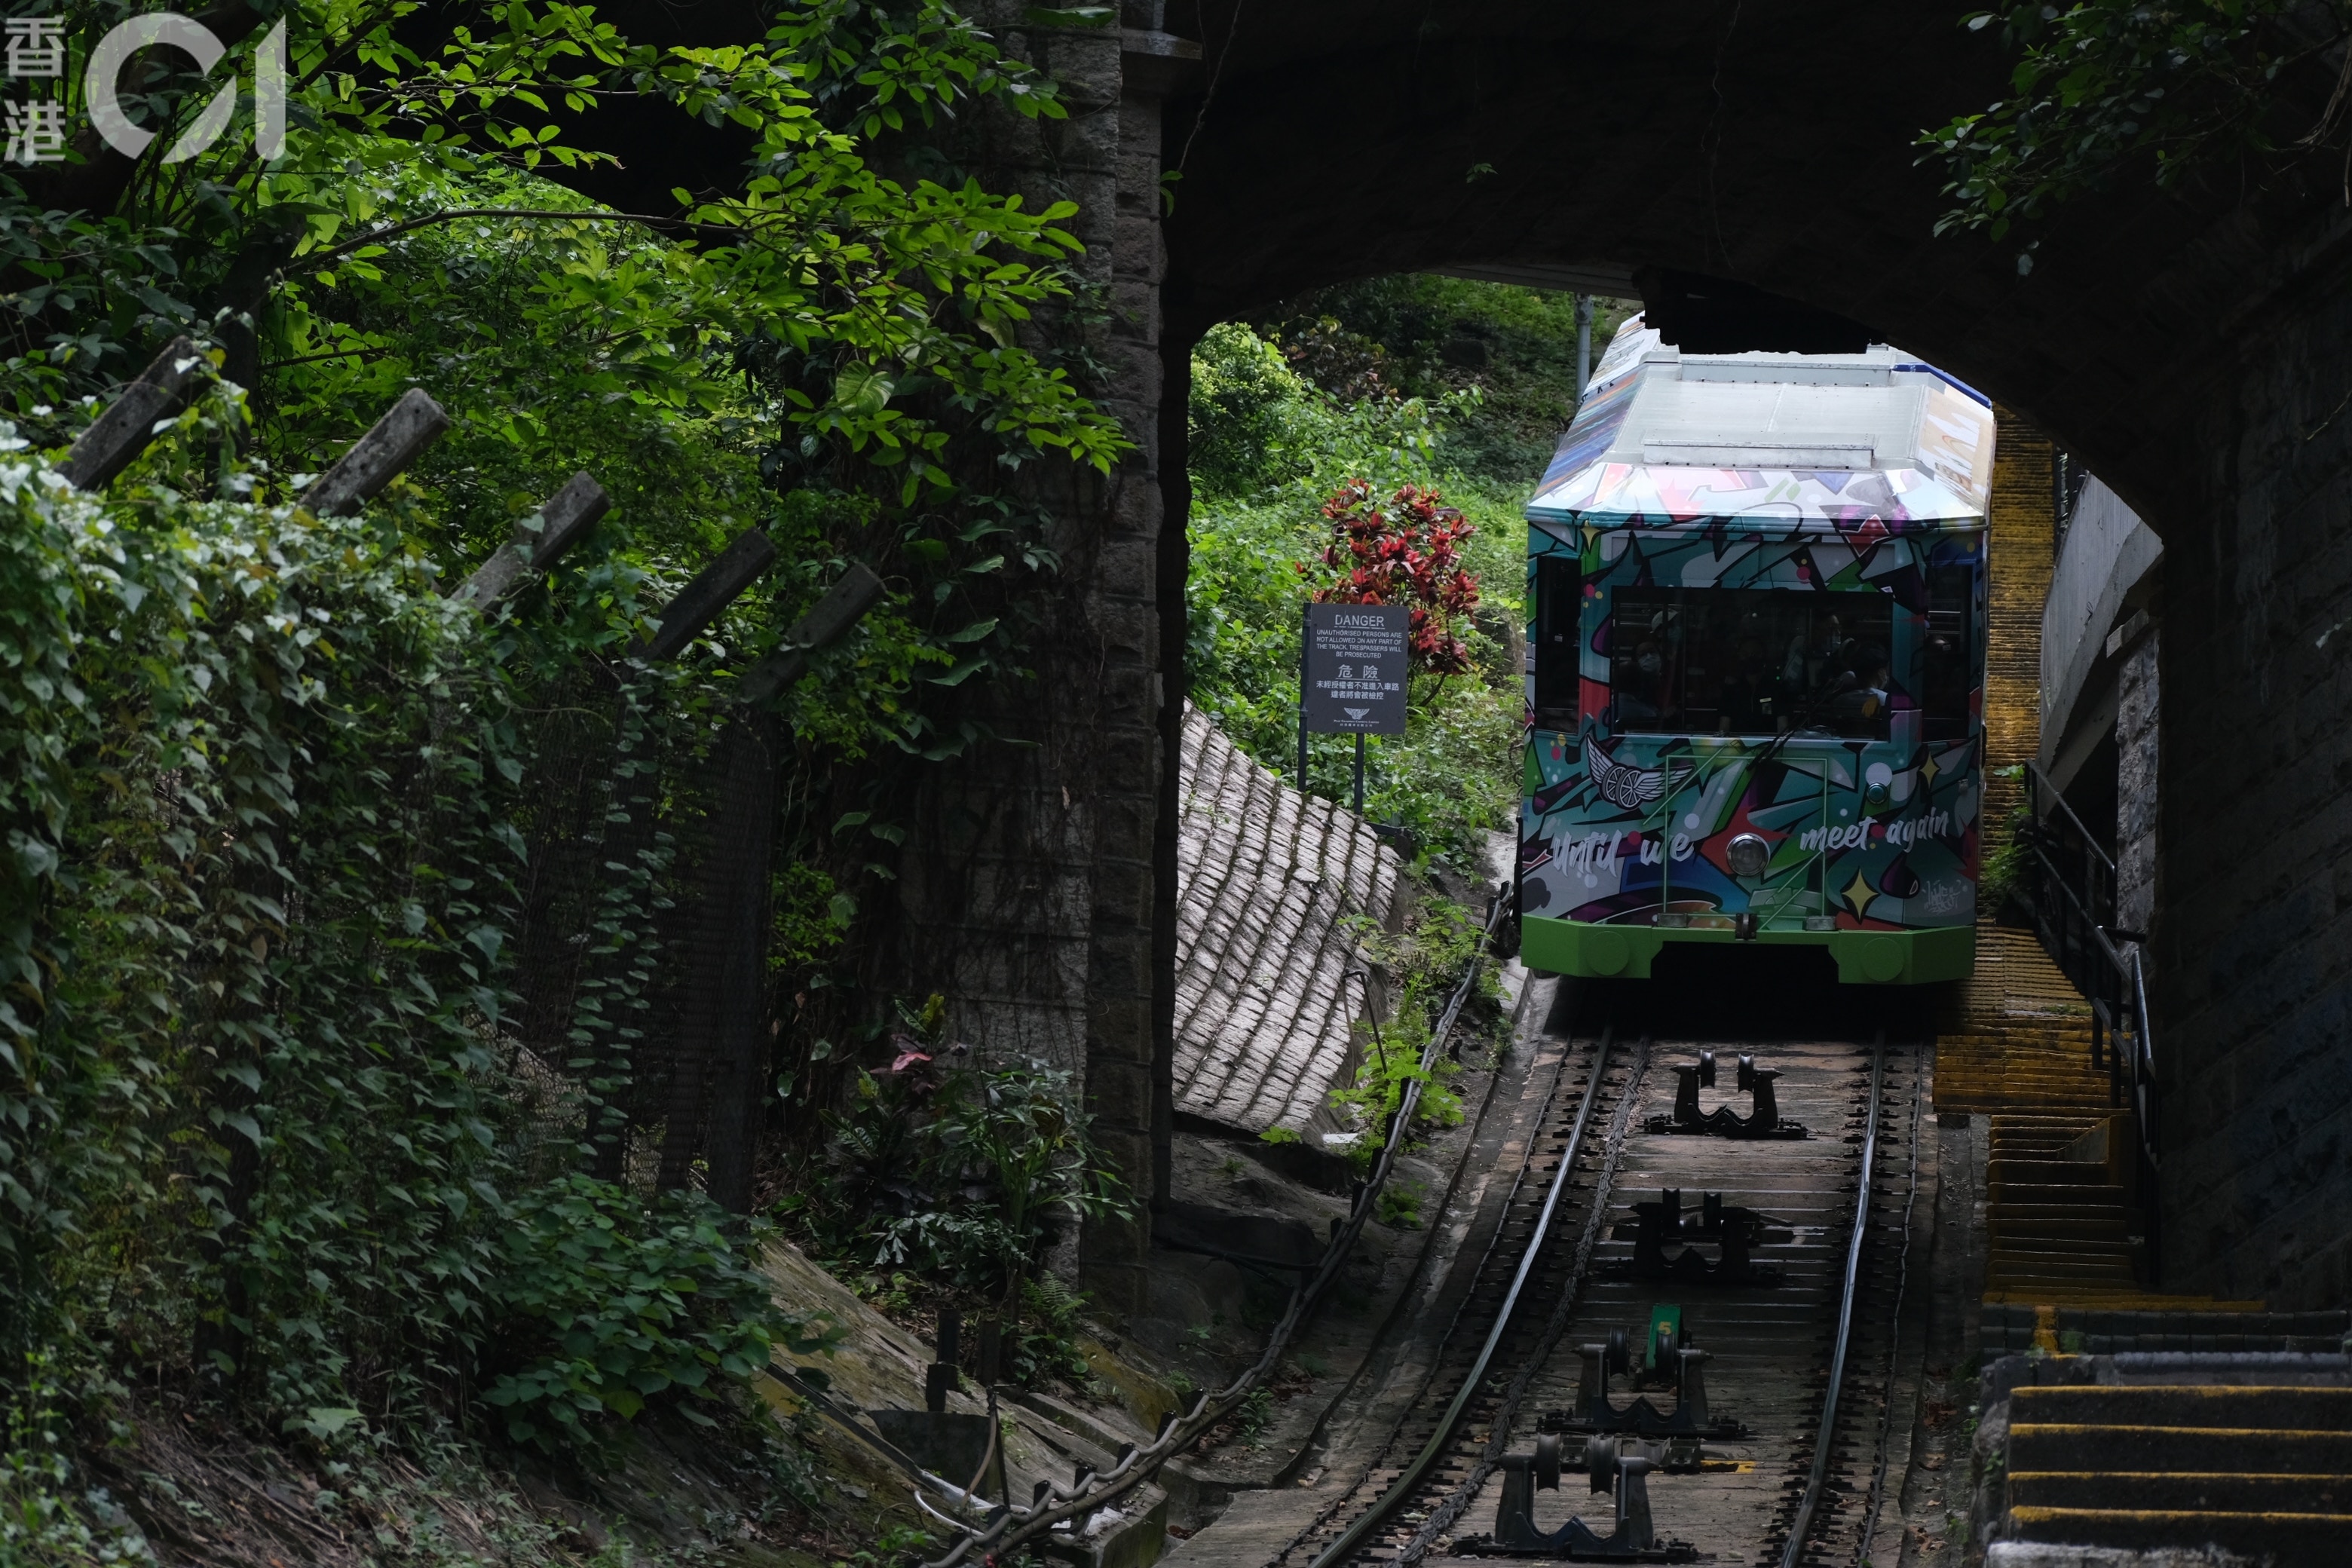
1351, 679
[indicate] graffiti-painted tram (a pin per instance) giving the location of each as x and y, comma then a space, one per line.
1756, 663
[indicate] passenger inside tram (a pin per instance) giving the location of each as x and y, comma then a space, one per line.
1702, 661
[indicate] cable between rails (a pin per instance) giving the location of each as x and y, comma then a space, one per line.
1802, 1520
1408, 1483
1053, 1504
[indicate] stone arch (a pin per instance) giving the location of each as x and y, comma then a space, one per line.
2187, 345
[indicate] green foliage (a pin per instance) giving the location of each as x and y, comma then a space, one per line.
255, 985
1046, 1347
42, 1521
1399, 1204
951, 1178
897, 1546
1451, 777
1423, 965
266, 798
1404, 334
1009, 1135
2105, 86
609, 1302
256, 1092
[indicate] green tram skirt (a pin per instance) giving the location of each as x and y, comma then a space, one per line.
1863, 957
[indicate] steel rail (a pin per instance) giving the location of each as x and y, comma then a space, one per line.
1339, 1504
1440, 1518
1803, 1518
1894, 1338
1053, 1504
1408, 1484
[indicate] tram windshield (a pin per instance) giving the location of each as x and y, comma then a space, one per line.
1750, 661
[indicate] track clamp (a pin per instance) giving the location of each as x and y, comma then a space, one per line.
1682, 1427
1734, 1230
1615, 1465
1723, 1121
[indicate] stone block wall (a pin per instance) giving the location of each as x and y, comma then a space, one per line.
2254, 932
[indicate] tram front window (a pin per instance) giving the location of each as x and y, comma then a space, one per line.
1750, 661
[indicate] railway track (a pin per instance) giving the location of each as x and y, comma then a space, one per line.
1561, 1270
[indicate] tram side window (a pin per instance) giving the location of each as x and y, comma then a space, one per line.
1560, 596
1750, 661
1947, 666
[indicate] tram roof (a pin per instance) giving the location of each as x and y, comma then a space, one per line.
1838, 439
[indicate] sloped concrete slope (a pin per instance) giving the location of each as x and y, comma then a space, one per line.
1275, 890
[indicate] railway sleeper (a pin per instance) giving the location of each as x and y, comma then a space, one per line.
1615, 1464
1764, 1122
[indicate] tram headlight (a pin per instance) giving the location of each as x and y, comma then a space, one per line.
1748, 855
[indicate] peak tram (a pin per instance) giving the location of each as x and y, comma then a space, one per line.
1756, 663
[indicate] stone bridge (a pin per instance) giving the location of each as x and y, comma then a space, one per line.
2192, 347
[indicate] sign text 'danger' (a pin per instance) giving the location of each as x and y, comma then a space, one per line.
1355, 668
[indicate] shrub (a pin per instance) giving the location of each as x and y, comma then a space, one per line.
1405, 552
610, 1301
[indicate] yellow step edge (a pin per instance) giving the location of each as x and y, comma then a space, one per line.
2032, 1513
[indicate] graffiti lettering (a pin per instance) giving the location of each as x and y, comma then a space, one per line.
1902, 834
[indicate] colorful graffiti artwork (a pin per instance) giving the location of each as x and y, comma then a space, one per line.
1777, 684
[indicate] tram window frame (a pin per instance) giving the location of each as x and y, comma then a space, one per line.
1559, 604
1948, 673
1819, 636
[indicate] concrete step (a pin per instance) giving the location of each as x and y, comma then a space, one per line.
2194, 1404
2282, 1537
2085, 1446
2171, 1490
2000, 1274
2061, 1235
2028, 1214
2044, 1172
2070, 1195
2085, 1237
2039, 1255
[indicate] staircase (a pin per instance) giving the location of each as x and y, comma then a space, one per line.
2061, 1216
2250, 1454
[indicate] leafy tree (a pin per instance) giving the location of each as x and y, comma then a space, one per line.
266, 798
2106, 86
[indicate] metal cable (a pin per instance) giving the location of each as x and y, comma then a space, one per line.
1442, 1518
1803, 1518
1407, 1483
1053, 1504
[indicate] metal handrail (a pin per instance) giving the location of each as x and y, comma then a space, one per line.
2116, 982
2059, 800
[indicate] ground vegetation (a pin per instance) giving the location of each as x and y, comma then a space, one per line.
275, 1163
